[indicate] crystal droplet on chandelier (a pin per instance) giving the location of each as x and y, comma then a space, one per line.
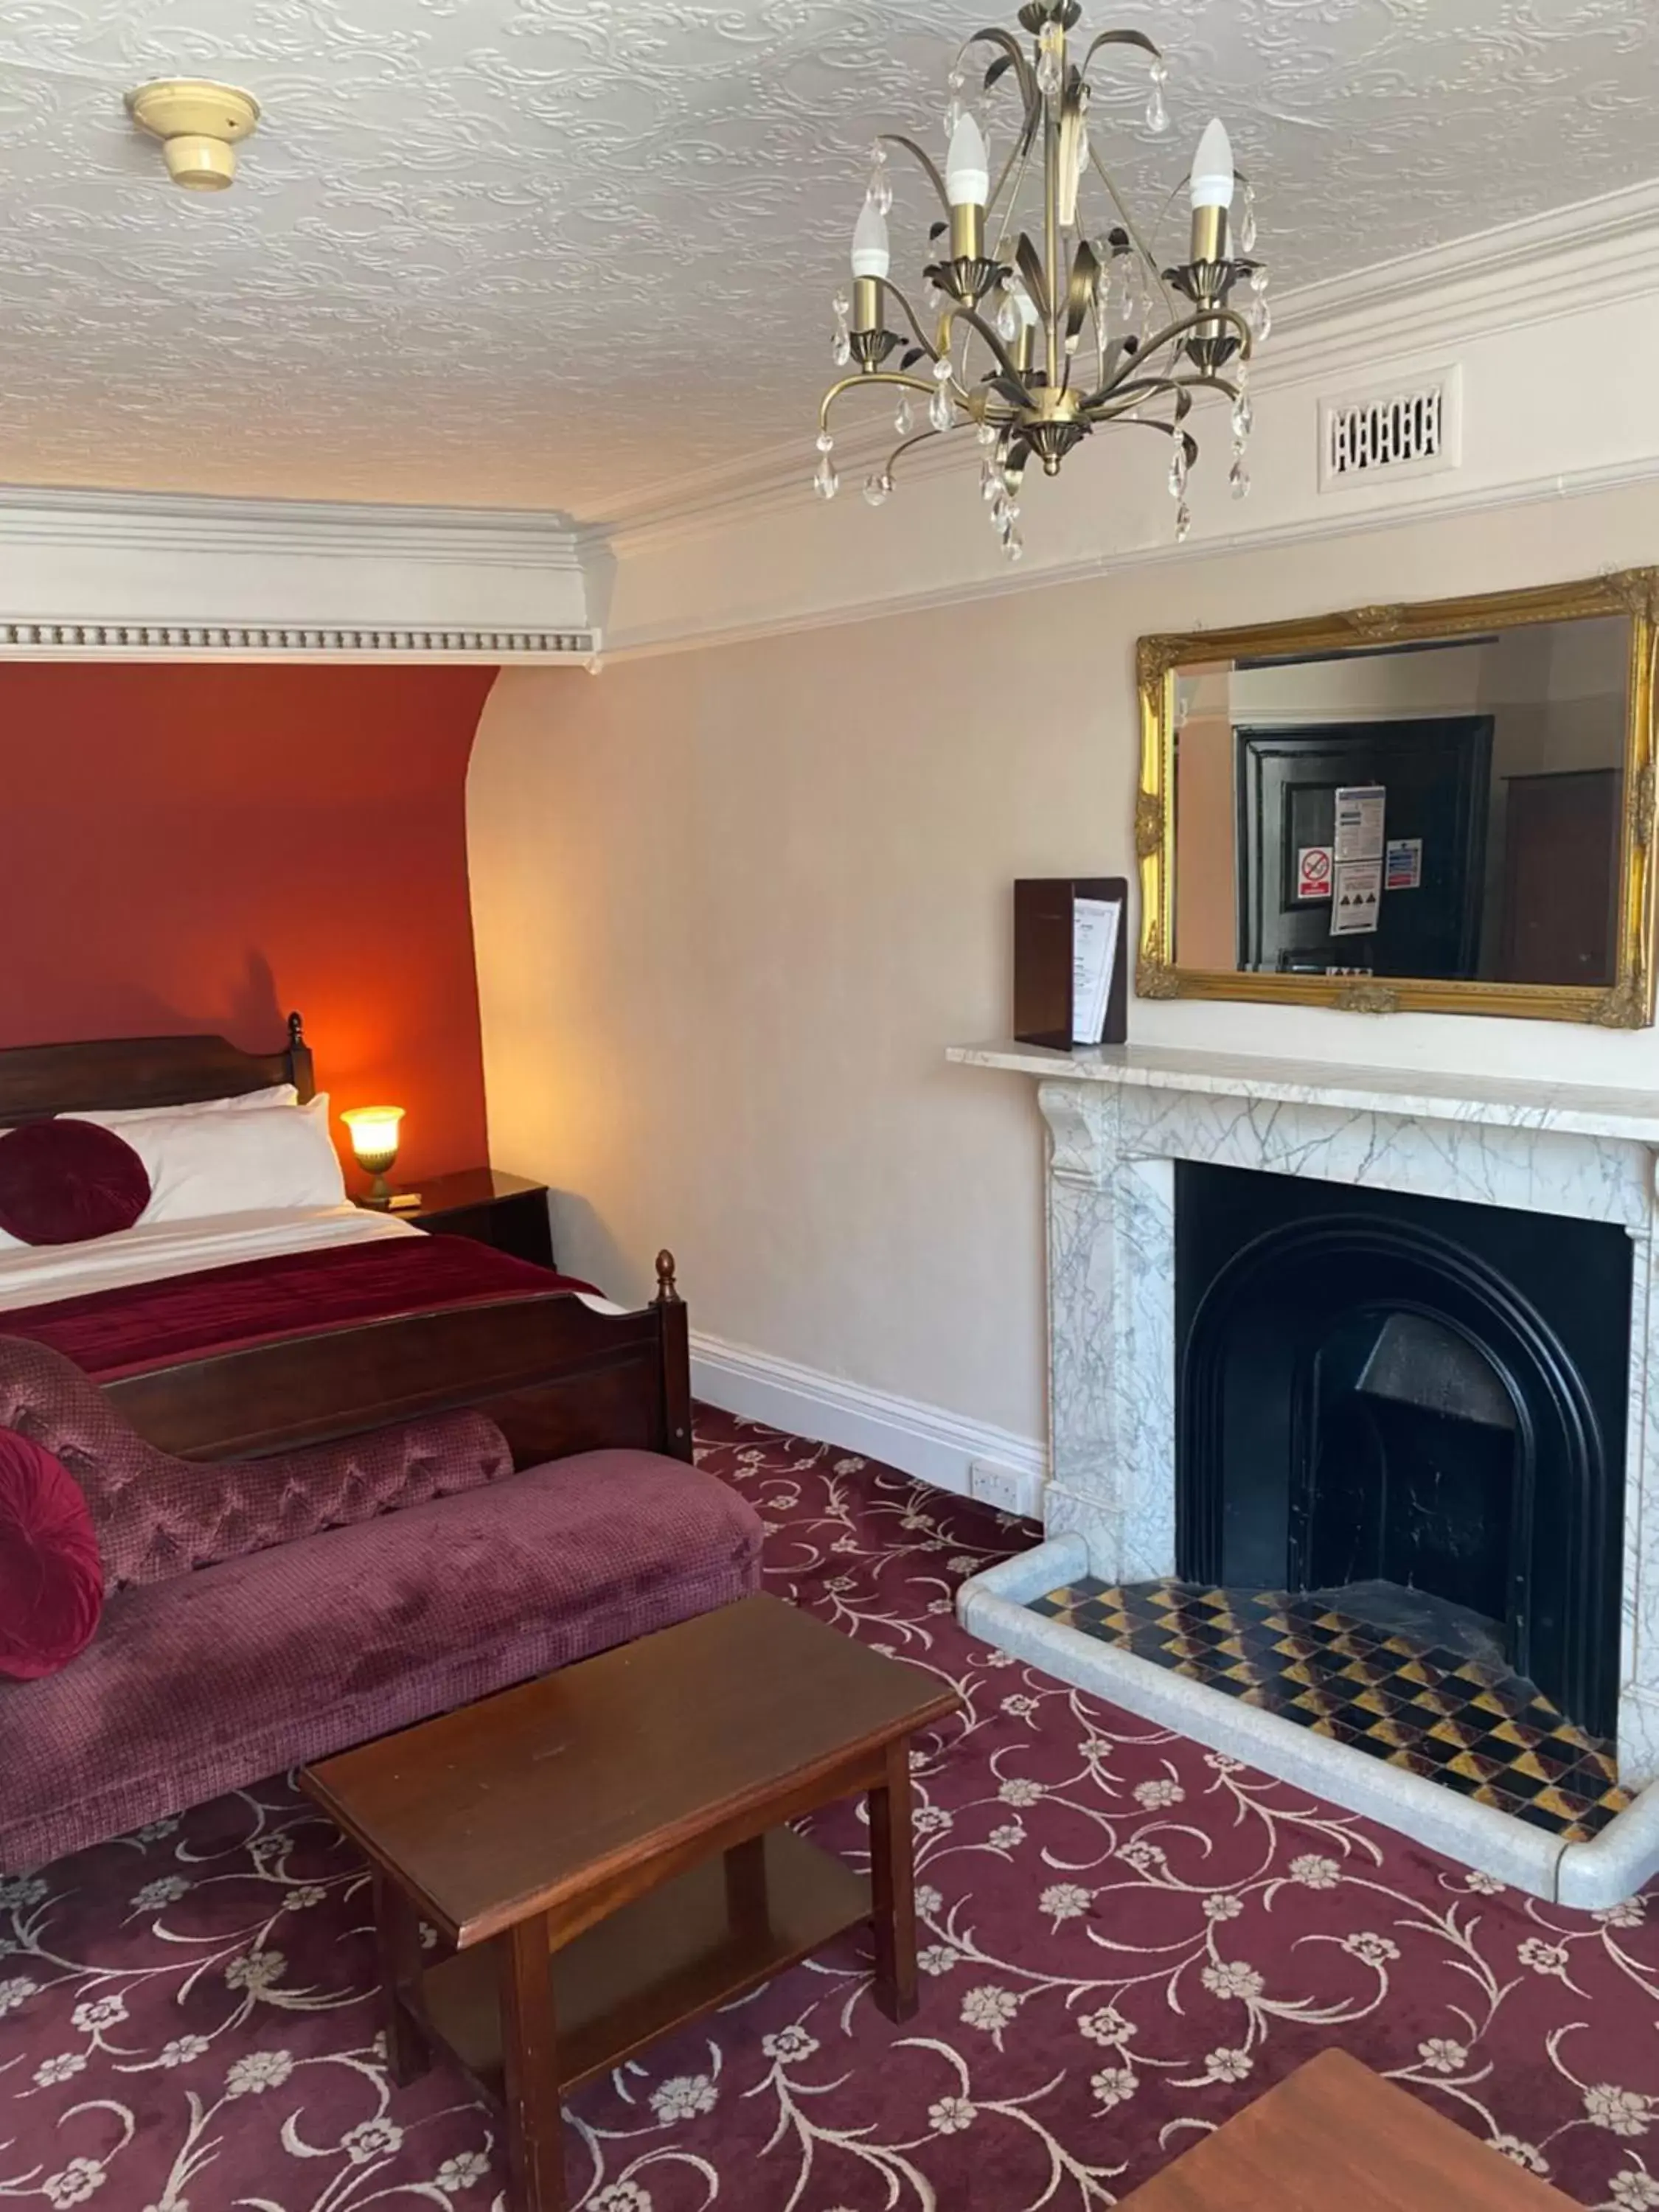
1238, 478
1013, 546
1178, 469
1247, 221
904, 415
1049, 76
1184, 521
1007, 319
841, 346
1157, 114
881, 184
1244, 415
876, 489
941, 413
825, 481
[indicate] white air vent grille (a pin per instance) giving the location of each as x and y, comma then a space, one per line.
1412, 431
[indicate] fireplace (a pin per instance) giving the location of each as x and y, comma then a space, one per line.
1413, 1406
1353, 1440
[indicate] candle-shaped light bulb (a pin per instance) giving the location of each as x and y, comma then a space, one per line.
871, 256
967, 166
1213, 167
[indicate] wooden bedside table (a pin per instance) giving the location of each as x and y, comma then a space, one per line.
503, 1210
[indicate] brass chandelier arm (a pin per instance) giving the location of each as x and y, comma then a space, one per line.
1104, 407
1119, 39
1149, 260
1080, 293
1127, 416
929, 166
1172, 332
975, 321
920, 438
927, 344
1006, 43
864, 377
1208, 383
1022, 154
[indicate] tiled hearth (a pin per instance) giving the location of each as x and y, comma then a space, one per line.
1466, 1721
1468, 1760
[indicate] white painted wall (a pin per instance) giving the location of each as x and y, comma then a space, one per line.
733, 904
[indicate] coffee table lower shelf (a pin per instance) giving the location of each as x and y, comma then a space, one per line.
662, 1960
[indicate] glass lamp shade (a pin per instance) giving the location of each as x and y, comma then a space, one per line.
373, 1131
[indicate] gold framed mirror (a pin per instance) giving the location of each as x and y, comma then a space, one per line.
1444, 808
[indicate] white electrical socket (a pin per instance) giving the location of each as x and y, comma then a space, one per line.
1004, 1487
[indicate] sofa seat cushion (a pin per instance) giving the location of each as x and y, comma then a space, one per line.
211, 1681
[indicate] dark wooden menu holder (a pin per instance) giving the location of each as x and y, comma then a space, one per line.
1042, 959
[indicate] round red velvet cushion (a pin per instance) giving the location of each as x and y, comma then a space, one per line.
51, 1581
63, 1182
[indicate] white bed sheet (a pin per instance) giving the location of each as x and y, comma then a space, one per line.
39, 1274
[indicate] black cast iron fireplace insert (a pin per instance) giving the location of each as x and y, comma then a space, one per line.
1412, 1404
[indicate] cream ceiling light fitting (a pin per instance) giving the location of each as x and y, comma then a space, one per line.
1039, 340
199, 124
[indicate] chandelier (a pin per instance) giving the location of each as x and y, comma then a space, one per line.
1039, 340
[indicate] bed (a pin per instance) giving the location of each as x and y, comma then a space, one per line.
239, 1333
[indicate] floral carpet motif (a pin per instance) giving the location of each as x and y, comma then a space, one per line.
1126, 1939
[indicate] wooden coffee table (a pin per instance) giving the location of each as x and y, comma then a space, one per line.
1334, 2134
603, 1854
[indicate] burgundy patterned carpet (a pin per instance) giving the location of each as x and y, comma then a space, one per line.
1127, 1939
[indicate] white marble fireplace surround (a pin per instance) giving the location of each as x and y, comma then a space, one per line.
1118, 1117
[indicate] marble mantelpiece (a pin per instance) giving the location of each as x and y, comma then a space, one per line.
1572, 1108
1118, 1117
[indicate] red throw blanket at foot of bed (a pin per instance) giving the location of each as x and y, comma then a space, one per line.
144, 1325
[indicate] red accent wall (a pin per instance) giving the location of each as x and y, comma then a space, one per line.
194, 848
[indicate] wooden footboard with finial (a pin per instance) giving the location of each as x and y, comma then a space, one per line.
557, 1376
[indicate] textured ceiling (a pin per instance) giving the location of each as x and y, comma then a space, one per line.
525, 254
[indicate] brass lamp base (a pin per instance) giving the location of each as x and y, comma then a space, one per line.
377, 1164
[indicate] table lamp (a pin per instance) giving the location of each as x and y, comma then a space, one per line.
373, 1132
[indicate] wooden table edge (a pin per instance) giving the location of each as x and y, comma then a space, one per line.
708, 1818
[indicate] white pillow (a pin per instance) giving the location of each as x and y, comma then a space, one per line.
201, 1165
116, 1117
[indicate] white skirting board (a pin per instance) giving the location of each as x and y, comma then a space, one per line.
920, 1440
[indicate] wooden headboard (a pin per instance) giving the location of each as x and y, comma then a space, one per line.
40, 1080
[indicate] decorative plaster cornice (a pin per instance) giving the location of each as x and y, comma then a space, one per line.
1536, 270
122, 575
1332, 522
147, 522
91, 641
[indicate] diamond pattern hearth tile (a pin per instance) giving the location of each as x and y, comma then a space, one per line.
1463, 1722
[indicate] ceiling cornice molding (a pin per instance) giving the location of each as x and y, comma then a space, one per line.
88, 575
1343, 523
217, 641
149, 522
1535, 271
